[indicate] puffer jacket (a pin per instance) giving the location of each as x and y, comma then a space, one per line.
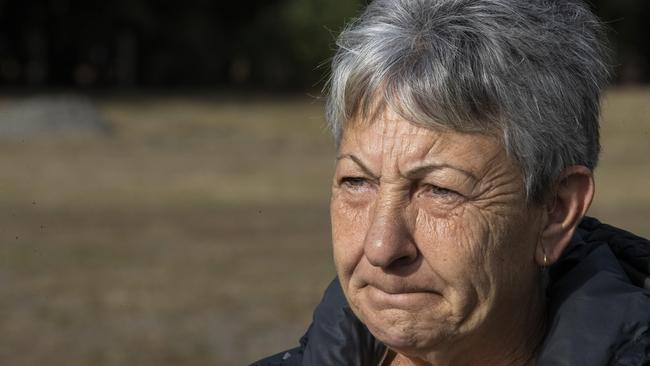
598, 310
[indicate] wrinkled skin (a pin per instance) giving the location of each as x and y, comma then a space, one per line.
434, 243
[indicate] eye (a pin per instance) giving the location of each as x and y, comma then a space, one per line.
436, 191
354, 183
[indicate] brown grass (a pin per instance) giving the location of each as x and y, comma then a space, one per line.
198, 233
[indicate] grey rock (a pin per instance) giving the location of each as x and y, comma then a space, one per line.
64, 115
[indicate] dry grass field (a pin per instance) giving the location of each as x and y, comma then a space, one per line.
197, 232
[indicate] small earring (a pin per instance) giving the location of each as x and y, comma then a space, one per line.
544, 276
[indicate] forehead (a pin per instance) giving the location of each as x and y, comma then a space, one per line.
389, 137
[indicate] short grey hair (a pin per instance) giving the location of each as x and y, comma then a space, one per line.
528, 71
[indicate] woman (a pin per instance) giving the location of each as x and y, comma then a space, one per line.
467, 133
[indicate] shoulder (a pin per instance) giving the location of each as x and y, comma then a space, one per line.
599, 300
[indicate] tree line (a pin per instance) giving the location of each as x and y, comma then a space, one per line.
205, 43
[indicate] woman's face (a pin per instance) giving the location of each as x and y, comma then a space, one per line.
433, 241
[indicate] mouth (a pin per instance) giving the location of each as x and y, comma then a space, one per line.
398, 286
401, 298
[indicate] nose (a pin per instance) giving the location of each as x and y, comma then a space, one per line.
388, 242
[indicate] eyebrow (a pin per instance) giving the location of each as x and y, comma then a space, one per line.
417, 172
359, 163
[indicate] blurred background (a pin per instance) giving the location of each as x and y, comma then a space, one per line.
165, 169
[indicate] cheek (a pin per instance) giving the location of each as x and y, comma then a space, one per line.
457, 247
349, 226
492, 252
458, 238
514, 257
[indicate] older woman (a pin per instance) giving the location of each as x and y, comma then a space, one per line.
467, 133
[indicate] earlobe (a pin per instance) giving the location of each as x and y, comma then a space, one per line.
568, 205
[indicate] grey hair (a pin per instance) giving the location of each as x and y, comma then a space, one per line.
530, 72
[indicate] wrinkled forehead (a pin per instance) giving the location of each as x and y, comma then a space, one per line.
388, 138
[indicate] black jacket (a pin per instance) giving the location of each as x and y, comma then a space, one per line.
599, 310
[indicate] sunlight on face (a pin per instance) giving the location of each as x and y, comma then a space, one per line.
433, 240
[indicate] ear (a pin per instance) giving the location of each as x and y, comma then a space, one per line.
564, 210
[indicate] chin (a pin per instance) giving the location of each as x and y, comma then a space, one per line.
397, 340
400, 332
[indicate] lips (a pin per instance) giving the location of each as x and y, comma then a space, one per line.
399, 292
401, 286
382, 290
408, 298
396, 290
